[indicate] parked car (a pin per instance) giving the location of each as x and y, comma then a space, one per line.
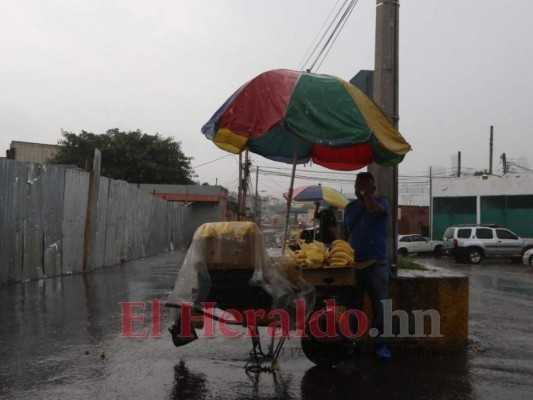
418, 244
527, 258
475, 242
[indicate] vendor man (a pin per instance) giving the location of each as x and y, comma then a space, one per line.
365, 228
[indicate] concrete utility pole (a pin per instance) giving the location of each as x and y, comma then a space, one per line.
239, 190
256, 212
430, 204
386, 97
458, 164
245, 175
491, 146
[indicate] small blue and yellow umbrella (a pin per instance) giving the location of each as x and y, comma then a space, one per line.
324, 195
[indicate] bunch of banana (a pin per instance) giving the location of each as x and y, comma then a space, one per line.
310, 255
226, 229
237, 229
340, 253
207, 230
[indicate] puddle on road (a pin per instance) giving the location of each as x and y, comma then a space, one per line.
53, 332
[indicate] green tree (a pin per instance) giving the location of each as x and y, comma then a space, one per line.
133, 156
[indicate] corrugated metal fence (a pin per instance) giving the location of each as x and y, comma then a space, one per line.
43, 210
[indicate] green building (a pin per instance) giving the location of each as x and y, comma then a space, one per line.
506, 201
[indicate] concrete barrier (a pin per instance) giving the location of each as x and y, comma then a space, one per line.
418, 294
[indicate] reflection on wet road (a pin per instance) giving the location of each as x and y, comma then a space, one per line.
61, 338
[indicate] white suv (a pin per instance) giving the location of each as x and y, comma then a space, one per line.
474, 242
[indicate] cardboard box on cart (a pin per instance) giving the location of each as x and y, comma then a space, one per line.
227, 252
231, 256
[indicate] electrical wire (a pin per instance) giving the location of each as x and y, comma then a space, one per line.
317, 172
338, 27
212, 161
272, 189
325, 32
302, 62
350, 9
328, 36
520, 166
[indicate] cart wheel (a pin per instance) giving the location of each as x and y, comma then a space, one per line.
323, 351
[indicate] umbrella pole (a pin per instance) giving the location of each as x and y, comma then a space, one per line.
289, 199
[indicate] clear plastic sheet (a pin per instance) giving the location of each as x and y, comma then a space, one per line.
234, 247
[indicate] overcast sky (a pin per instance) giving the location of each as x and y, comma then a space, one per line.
166, 66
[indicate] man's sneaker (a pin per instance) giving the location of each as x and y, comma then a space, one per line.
384, 353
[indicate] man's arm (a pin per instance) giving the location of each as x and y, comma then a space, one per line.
317, 214
332, 226
344, 233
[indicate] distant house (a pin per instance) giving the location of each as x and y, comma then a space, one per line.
33, 152
413, 219
210, 202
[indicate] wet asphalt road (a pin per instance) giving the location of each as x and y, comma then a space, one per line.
61, 338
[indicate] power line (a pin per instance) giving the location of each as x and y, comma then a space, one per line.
350, 9
337, 28
315, 172
271, 188
519, 166
302, 63
335, 31
344, 178
212, 161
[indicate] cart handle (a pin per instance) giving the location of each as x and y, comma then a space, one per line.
205, 313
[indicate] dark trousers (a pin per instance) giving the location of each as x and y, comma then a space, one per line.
373, 280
